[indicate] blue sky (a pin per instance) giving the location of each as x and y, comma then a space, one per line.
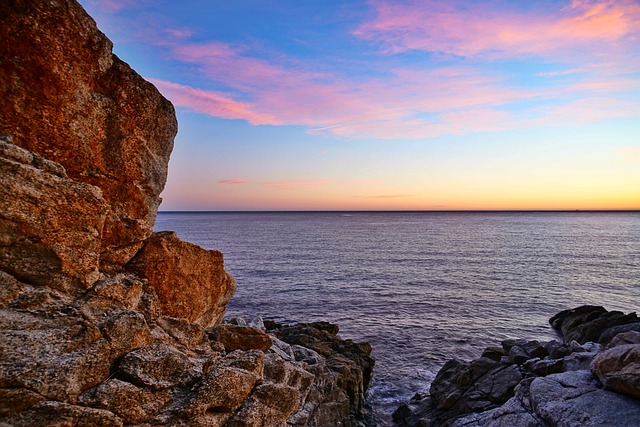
392, 104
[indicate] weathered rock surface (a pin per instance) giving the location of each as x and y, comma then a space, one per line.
532, 384
189, 281
50, 225
102, 323
67, 98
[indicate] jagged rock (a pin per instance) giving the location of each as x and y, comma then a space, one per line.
89, 334
56, 354
350, 361
618, 368
50, 226
97, 117
158, 366
123, 291
612, 332
132, 404
575, 399
188, 335
539, 384
240, 337
53, 413
587, 323
190, 281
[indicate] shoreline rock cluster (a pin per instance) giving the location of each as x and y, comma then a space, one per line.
102, 321
591, 378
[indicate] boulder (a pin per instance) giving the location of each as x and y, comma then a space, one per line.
588, 323
50, 225
575, 399
158, 366
98, 118
189, 281
240, 337
618, 368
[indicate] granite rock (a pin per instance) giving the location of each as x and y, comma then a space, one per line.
95, 116
189, 281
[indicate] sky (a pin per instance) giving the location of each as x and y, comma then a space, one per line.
392, 105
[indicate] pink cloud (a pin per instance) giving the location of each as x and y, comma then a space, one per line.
215, 104
114, 5
232, 181
406, 102
490, 29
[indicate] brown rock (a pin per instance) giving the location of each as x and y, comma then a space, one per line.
134, 405
50, 226
240, 337
96, 116
125, 331
63, 414
190, 281
56, 354
618, 368
159, 367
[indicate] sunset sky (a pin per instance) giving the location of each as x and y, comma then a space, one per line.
435, 105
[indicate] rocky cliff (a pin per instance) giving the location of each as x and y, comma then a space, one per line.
102, 321
592, 378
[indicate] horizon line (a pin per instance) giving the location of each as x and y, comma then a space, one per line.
408, 211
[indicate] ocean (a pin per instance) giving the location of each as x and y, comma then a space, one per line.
421, 287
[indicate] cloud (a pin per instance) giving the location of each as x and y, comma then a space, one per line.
215, 104
419, 100
114, 6
297, 184
490, 29
391, 196
627, 154
232, 181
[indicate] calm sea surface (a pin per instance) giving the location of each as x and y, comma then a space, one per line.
421, 287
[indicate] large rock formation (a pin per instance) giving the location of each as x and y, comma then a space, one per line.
101, 321
527, 383
67, 98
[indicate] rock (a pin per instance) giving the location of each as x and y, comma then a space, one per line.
612, 332
574, 399
587, 323
240, 337
350, 361
132, 404
56, 354
189, 281
618, 368
158, 366
190, 336
125, 331
95, 116
50, 226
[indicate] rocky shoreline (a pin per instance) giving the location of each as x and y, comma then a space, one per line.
104, 322
591, 378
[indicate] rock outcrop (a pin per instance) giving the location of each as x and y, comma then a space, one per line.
577, 382
103, 322
67, 98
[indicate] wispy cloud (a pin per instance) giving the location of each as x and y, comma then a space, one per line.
414, 100
390, 196
297, 184
232, 181
493, 29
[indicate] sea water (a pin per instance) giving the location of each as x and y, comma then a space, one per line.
421, 287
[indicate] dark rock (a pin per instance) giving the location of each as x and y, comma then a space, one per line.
350, 362
610, 333
587, 323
